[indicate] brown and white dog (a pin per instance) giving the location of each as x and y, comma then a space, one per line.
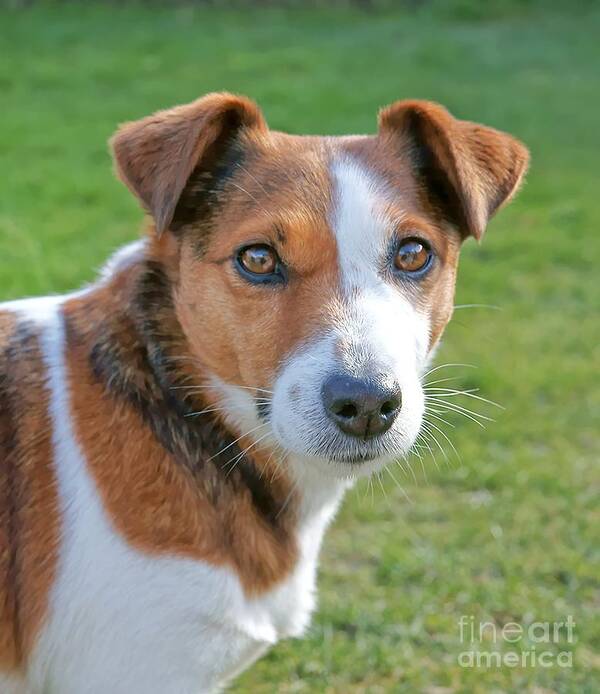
175, 438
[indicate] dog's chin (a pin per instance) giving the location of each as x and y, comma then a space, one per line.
325, 451
344, 462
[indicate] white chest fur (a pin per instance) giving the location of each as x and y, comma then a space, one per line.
126, 623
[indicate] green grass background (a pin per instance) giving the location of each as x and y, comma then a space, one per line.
510, 532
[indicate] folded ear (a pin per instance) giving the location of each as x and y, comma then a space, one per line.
155, 156
470, 169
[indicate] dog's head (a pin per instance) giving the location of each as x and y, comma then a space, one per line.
314, 275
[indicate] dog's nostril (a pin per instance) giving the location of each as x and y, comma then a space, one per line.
347, 410
388, 407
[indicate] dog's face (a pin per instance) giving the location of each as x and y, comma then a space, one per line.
314, 275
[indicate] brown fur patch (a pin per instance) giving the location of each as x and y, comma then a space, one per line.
171, 492
280, 196
29, 515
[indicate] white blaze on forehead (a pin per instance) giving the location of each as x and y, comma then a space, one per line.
361, 226
382, 317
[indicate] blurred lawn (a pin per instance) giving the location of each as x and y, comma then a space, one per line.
511, 532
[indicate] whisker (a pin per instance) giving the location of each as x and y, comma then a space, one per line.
266, 465
422, 461
441, 407
218, 453
431, 411
442, 380
446, 366
287, 499
427, 447
410, 467
385, 496
284, 456
458, 408
457, 412
452, 390
398, 485
239, 456
430, 449
446, 399
187, 377
428, 433
449, 392
206, 411
263, 390
443, 433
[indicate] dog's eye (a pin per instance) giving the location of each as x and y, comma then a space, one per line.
259, 262
413, 255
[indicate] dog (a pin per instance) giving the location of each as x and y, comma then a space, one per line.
176, 437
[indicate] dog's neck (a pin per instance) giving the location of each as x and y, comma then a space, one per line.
137, 349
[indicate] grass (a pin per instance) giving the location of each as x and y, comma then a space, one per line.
509, 533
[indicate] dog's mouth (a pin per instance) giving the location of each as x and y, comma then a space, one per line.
350, 457
355, 458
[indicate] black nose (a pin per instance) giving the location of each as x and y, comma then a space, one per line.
361, 407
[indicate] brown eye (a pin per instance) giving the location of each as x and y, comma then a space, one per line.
412, 256
259, 263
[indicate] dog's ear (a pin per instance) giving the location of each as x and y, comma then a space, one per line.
155, 156
471, 170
